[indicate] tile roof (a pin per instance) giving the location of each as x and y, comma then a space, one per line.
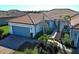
75, 21
57, 13
37, 17
34, 18
11, 13
31, 18
23, 19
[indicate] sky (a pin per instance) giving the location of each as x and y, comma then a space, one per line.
37, 7
38, 4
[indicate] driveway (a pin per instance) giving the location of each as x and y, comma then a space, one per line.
4, 50
15, 42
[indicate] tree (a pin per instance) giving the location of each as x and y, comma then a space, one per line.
67, 19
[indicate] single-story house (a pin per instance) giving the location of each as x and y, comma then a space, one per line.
26, 25
32, 23
75, 30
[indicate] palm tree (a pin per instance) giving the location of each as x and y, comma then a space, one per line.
67, 19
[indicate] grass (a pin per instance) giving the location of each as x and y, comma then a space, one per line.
27, 51
5, 29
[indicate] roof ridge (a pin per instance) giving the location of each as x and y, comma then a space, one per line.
30, 18
46, 15
63, 9
74, 15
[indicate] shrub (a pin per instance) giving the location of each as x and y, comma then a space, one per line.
67, 40
44, 38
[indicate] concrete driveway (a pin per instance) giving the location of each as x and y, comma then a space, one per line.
15, 42
4, 50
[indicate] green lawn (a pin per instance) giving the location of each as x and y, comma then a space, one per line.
5, 29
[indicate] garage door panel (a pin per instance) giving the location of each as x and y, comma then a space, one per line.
22, 31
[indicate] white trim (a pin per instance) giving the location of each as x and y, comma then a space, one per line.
21, 25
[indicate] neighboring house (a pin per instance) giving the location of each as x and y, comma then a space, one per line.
7, 15
32, 23
75, 30
4, 21
58, 15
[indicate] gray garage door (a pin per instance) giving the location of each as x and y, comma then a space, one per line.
22, 31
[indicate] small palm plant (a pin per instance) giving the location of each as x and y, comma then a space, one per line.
67, 19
